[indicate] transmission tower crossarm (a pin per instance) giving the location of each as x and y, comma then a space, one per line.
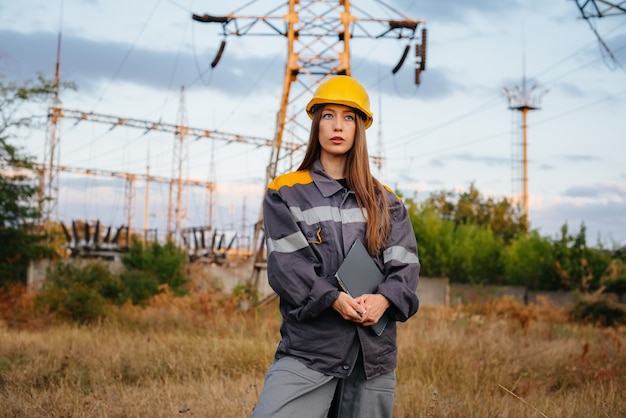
123, 175
591, 9
239, 25
148, 126
206, 18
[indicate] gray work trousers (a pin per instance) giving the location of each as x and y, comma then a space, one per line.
293, 390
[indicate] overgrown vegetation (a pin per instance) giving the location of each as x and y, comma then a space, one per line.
19, 214
465, 236
470, 239
159, 265
198, 356
85, 292
153, 348
603, 312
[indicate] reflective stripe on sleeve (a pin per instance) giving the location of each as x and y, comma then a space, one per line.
289, 244
400, 254
326, 213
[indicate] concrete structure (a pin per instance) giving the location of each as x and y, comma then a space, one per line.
431, 291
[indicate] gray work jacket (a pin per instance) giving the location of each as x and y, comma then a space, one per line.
311, 221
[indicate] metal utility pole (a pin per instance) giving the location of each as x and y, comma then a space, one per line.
524, 100
146, 204
130, 205
319, 37
379, 142
180, 158
49, 189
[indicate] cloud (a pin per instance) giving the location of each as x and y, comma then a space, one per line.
610, 191
604, 221
569, 89
459, 10
582, 191
576, 158
616, 46
488, 160
437, 163
91, 63
613, 43
105, 199
81, 181
438, 83
88, 63
546, 167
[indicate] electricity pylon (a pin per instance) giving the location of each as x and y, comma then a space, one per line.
49, 181
49, 171
523, 100
600, 8
179, 164
589, 9
319, 36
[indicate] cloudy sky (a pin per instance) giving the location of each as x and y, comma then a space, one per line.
130, 59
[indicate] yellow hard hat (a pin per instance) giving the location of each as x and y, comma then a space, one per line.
343, 90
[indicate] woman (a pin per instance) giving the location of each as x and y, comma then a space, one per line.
329, 362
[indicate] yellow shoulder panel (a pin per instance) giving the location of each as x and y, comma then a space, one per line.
291, 179
391, 191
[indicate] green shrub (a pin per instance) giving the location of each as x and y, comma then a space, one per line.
77, 303
602, 312
94, 275
617, 286
84, 293
246, 292
81, 293
434, 239
166, 262
141, 285
475, 255
528, 261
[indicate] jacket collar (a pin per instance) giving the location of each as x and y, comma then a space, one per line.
327, 185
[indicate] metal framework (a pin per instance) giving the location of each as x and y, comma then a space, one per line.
181, 132
600, 8
49, 184
319, 36
590, 9
523, 100
180, 157
130, 178
198, 133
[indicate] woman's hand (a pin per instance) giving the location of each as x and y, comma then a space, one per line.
375, 306
349, 308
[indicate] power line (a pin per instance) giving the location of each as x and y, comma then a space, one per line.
128, 52
491, 102
496, 135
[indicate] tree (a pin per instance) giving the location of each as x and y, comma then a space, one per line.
435, 238
576, 265
150, 265
18, 213
505, 219
529, 261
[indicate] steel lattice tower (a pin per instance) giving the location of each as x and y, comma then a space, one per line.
319, 36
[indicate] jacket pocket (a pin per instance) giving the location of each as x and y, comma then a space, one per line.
313, 233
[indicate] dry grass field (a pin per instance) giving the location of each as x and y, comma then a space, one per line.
199, 356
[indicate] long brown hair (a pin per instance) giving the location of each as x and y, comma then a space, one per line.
370, 193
